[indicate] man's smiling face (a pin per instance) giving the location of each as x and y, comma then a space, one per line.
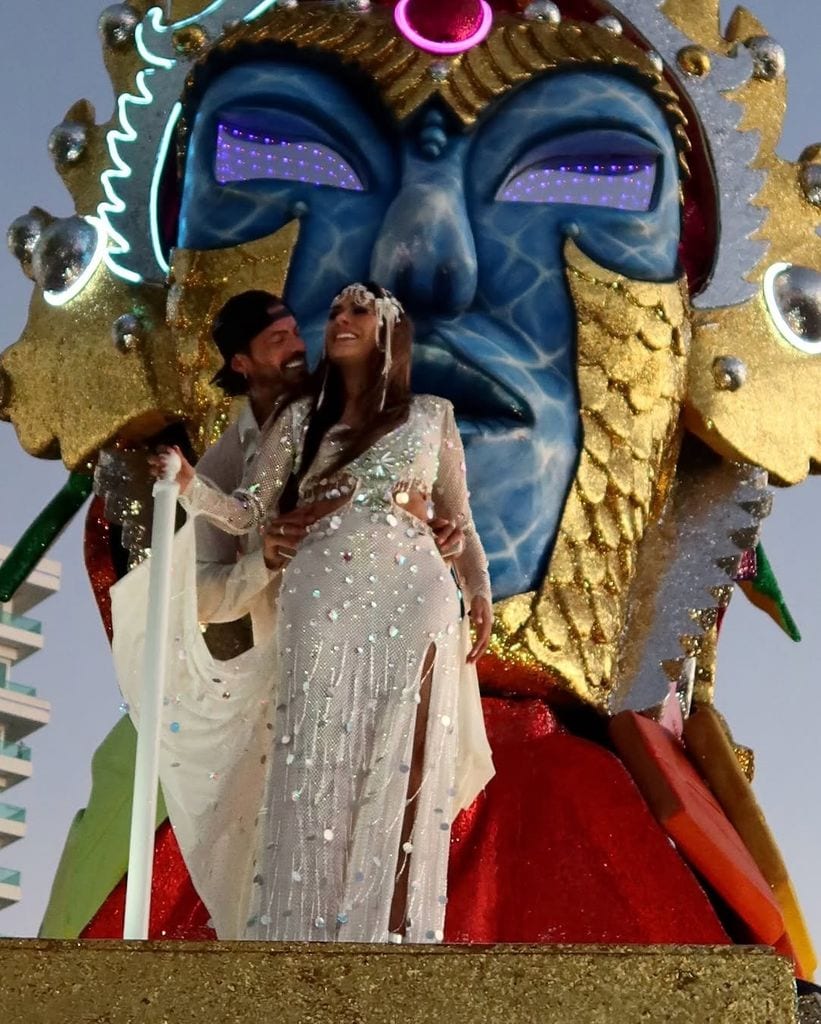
468, 229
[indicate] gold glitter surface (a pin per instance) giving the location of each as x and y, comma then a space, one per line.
201, 282
186, 983
698, 19
70, 385
514, 51
768, 420
632, 346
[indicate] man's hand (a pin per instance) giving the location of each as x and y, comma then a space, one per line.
481, 615
449, 538
283, 535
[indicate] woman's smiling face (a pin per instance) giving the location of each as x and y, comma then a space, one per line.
350, 334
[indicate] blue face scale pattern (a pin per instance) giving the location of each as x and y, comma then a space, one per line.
483, 277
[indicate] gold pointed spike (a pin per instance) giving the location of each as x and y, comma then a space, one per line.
700, 20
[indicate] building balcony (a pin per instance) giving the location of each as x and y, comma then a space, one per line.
12, 823
21, 711
20, 635
15, 764
9, 887
41, 583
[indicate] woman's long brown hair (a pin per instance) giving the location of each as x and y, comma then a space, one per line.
397, 400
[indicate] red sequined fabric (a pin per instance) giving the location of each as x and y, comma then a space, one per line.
99, 563
560, 848
177, 912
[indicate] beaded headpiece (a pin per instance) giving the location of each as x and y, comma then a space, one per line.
389, 311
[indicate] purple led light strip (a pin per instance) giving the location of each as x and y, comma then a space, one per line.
622, 186
247, 156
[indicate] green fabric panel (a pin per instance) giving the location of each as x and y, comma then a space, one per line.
95, 856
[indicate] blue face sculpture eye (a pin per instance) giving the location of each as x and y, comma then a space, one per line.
604, 168
246, 155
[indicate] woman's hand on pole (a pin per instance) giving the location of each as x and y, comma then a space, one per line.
157, 465
481, 615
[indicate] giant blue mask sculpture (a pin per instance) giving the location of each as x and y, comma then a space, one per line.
468, 228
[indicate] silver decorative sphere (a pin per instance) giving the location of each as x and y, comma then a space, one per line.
117, 25
656, 60
127, 332
797, 292
729, 373
63, 252
356, 6
769, 59
610, 24
67, 143
543, 10
810, 178
24, 234
439, 70
288, 5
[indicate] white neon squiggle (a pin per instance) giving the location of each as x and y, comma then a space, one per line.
150, 58
156, 14
121, 171
125, 134
154, 195
61, 298
810, 348
259, 9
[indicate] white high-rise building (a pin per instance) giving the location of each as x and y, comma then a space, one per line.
21, 711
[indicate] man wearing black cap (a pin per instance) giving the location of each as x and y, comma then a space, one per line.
264, 358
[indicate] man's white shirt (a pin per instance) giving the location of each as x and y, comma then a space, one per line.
232, 578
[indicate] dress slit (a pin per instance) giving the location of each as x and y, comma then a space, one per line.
399, 903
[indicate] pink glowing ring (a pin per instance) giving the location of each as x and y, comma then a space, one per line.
403, 24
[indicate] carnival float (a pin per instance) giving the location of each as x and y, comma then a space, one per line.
615, 280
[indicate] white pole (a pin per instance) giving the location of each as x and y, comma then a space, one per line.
146, 772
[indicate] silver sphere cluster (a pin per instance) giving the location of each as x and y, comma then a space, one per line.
769, 59
24, 234
127, 332
63, 251
439, 70
798, 297
543, 10
611, 24
117, 25
67, 143
356, 6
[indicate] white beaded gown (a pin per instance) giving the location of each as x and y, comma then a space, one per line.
315, 794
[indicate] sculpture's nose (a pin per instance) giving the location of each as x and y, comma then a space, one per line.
425, 253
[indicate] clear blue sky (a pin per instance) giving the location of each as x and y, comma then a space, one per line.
769, 689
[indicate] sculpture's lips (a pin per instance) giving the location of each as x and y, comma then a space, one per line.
483, 404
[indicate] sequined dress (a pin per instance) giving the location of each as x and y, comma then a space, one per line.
363, 602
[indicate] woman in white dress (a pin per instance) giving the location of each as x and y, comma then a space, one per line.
371, 732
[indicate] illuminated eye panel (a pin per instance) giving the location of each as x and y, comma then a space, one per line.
243, 155
622, 183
